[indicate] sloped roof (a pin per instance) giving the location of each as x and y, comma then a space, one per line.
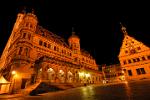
49, 35
130, 46
3, 80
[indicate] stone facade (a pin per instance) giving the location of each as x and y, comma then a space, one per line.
35, 53
134, 58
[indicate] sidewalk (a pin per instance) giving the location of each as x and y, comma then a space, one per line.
6, 96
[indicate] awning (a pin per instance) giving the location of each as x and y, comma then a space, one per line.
3, 80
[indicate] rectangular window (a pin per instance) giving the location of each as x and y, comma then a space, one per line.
148, 57
24, 35
45, 44
49, 46
20, 50
124, 62
137, 59
129, 61
26, 50
138, 71
142, 70
40, 42
129, 72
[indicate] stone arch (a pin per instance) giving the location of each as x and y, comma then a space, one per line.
61, 75
69, 76
51, 74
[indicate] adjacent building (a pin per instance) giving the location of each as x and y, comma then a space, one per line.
34, 54
134, 58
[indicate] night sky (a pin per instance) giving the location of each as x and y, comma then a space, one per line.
97, 24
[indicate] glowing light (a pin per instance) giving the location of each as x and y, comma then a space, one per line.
13, 72
87, 75
50, 70
81, 74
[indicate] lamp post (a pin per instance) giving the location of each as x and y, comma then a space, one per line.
13, 80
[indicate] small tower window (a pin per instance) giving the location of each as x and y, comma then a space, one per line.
20, 51
24, 35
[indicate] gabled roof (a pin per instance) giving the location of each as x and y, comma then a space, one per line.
130, 46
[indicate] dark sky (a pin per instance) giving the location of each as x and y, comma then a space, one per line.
96, 23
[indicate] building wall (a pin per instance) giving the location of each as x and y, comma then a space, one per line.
134, 58
38, 54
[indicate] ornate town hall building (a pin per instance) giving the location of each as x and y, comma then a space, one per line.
34, 54
134, 58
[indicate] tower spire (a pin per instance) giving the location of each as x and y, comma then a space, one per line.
123, 29
73, 32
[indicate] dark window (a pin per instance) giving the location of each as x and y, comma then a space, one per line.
138, 48
29, 36
138, 71
55, 48
40, 42
49, 46
148, 57
129, 61
20, 50
45, 44
24, 35
126, 51
137, 59
26, 51
129, 72
70, 54
142, 70
143, 58
134, 60
124, 62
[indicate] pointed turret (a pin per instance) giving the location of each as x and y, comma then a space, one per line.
74, 42
123, 29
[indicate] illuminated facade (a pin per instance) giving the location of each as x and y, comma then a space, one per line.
113, 73
134, 58
36, 54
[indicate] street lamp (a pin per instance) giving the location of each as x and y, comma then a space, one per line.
13, 78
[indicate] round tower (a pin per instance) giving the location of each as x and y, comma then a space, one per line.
74, 43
